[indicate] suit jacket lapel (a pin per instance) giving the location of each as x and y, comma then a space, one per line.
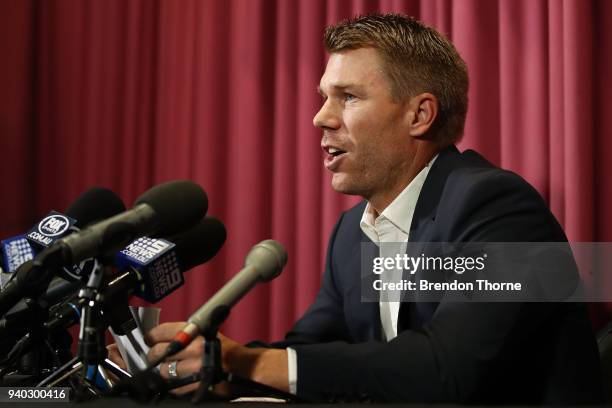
412, 313
427, 204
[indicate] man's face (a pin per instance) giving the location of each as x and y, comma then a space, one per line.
365, 131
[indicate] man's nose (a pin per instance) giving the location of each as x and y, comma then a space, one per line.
327, 117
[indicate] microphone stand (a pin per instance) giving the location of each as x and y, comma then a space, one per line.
40, 350
211, 372
92, 353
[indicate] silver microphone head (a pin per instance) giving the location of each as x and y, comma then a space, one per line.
268, 258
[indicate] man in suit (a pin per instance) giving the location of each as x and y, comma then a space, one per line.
394, 103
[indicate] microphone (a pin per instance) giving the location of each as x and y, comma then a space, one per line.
32, 278
147, 278
154, 213
165, 209
159, 269
264, 262
93, 205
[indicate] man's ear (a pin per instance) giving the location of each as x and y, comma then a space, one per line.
422, 111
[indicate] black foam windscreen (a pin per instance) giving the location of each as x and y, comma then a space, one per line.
177, 204
200, 243
94, 205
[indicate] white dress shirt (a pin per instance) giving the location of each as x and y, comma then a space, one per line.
391, 226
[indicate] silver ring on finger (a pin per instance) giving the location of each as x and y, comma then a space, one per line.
172, 373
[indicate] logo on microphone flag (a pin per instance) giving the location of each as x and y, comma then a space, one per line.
54, 226
158, 265
15, 251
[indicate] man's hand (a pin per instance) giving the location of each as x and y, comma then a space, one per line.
266, 366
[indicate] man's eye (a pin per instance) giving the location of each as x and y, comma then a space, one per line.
348, 97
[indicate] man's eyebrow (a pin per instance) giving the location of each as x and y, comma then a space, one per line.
339, 86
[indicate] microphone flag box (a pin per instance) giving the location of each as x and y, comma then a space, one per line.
15, 251
155, 260
53, 227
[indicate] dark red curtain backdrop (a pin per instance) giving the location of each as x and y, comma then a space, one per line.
129, 93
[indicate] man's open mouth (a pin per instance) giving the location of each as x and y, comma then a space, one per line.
333, 158
332, 151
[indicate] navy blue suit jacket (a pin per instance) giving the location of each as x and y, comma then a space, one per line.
447, 352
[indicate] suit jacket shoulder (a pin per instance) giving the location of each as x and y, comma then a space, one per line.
465, 195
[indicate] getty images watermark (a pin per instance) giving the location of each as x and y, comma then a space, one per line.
486, 272
459, 265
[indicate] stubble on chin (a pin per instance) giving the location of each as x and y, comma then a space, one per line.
344, 184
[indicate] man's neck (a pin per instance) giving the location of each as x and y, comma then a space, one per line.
383, 199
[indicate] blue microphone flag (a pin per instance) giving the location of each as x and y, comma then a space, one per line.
15, 251
155, 259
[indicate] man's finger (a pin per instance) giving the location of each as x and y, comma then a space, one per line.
164, 332
194, 350
183, 367
156, 351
